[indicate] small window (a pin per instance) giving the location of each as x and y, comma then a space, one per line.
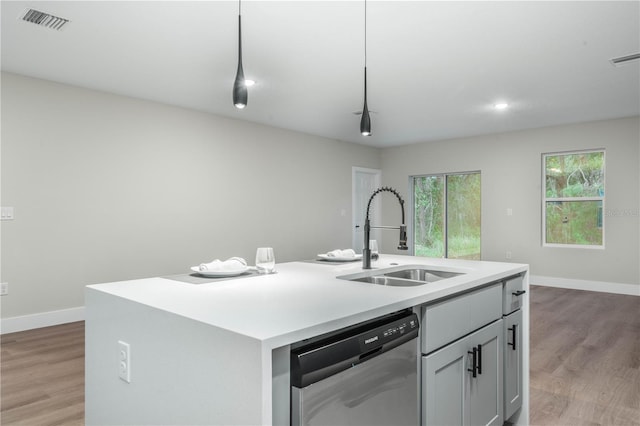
573, 199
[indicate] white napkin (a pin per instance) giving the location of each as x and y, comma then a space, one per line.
341, 253
231, 264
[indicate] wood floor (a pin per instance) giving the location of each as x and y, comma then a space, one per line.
42, 376
585, 364
585, 358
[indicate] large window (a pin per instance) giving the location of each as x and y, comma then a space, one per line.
573, 199
447, 215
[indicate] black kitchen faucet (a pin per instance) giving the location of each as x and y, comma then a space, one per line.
366, 252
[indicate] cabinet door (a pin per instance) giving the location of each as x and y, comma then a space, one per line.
450, 393
512, 363
484, 393
444, 374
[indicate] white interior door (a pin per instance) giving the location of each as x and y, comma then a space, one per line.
364, 182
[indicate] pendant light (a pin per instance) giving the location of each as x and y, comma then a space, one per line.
240, 94
365, 121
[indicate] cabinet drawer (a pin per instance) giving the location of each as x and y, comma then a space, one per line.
451, 319
513, 294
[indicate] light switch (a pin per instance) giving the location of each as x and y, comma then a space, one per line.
509, 211
6, 213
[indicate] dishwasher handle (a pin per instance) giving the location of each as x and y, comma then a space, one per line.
371, 354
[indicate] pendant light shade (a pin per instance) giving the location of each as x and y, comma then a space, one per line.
240, 93
365, 121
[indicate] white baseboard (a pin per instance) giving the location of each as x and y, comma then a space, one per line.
602, 286
44, 319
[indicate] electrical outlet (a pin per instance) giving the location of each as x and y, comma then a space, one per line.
508, 254
4, 289
124, 361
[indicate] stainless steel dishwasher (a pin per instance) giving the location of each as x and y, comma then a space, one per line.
366, 374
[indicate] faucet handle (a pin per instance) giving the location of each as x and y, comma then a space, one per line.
403, 238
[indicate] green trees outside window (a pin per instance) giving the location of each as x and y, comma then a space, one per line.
447, 215
573, 198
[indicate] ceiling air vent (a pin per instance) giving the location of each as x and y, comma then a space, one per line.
44, 19
624, 59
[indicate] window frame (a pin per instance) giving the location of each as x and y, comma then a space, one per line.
546, 200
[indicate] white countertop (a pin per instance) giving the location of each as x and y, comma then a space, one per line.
303, 299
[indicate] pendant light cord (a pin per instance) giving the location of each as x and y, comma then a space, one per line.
365, 33
240, 34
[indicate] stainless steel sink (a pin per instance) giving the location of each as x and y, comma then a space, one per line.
389, 281
419, 274
402, 276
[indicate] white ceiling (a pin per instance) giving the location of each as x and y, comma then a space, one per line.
434, 68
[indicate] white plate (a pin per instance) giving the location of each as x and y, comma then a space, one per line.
218, 274
340, 259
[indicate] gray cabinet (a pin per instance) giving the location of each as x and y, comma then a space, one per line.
513, 293
512, 363
512, 302
462, 383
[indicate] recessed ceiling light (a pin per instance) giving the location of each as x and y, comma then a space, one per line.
249, 83
501, 106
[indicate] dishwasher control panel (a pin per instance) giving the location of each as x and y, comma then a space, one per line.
389, 332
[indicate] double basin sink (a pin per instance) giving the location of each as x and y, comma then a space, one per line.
403, 276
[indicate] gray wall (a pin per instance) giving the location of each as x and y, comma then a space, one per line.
109, 188
511, 178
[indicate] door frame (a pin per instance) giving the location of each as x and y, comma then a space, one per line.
354, 196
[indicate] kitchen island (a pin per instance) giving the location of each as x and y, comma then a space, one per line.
218, 353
